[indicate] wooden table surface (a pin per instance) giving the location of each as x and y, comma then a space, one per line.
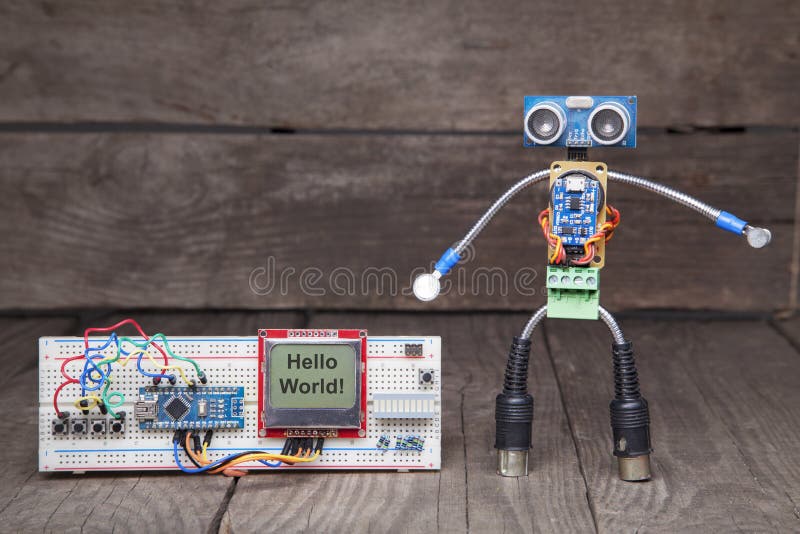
725, 408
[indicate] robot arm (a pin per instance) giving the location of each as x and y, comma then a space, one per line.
756, 237
427, 286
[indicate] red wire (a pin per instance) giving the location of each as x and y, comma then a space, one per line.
70, 380
58, 391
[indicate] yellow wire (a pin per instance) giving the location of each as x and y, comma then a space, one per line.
203, 460
95, 401
556, 249
154, 362
268, 457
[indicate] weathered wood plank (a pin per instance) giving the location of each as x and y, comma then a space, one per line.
119, 502
466, 494
722, 398
190, 221
19, 343
749, 376
791, 329
400, 65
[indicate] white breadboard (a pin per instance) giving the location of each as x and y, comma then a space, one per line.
233, 361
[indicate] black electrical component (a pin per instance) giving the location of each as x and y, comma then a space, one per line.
207, 438
514, 413
630, 417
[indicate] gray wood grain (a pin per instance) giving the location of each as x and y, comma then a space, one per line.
790, 329
466, 495
399, 65
124, 502
186, 221
750, 381
19, 338
724, 424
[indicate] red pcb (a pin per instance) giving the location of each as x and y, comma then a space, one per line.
331, 400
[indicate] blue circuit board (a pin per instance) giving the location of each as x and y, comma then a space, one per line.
575, 199
190, 408
576, 112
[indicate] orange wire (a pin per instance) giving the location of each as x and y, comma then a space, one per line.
605, 232
554, 241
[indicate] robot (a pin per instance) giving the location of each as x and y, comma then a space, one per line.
577, 224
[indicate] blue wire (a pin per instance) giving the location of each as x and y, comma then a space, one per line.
268, 464
203, 469
89, 365
90, 362
144, 346
97, 383
151, 375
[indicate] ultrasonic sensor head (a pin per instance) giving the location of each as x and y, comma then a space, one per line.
608, 123
545, 122
580, 121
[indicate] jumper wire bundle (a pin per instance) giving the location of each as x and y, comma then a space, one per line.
96, 376
559, 254
295, 450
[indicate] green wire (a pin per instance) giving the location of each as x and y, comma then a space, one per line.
163, 339
107, 399
111, 359
106, 396
184, 358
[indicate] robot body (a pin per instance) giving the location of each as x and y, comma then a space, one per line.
577, 224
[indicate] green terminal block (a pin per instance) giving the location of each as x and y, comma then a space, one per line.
573, 292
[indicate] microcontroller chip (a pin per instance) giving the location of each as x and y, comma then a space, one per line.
567, 230
574, 203
176, 408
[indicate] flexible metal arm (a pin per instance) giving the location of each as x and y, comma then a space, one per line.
605, 315
535, 319
612, 325
534, 178
756, 237
427, 285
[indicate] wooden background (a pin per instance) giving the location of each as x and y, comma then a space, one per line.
158, 157
153, 155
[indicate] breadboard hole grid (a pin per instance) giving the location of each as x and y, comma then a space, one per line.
233, 361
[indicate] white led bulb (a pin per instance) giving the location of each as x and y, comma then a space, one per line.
427, 286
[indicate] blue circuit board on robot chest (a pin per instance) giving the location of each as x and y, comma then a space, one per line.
575, 199
190, 408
